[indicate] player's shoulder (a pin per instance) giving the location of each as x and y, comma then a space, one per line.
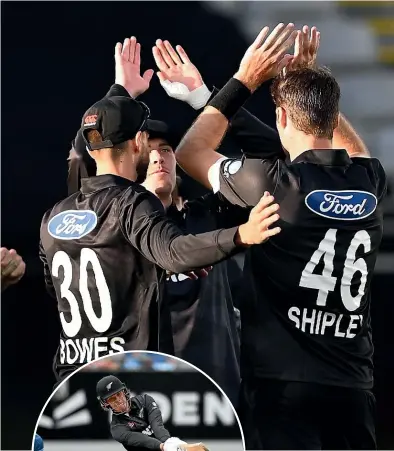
373, 163
376, 172
60, 206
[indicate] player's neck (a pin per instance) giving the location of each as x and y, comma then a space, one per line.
165, 199
308, 142
127, 172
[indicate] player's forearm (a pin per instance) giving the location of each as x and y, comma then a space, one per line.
186, 253
196, 151
137, 439
346, 137
156, 422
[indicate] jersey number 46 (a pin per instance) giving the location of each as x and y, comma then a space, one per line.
326, 282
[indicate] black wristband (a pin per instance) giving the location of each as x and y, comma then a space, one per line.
230, 98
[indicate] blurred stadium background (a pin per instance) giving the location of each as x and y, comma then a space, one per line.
57, 59
192, 407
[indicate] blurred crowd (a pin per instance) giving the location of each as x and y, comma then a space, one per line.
138, 361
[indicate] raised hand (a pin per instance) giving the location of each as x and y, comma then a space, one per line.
175, 66
262, 216
178, 76
266, 57
128, 67
305, 49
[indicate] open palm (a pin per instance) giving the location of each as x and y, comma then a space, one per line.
128, 67
175, 66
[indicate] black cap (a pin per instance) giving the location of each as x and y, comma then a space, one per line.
117, 119
159, 129
108, 386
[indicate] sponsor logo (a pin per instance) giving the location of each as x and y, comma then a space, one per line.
68, 414
90, 120
72, 224
341, 205
231, 167
131, 424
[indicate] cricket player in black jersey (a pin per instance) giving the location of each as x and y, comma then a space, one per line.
202, 311
102, 247
306, 346
136, 421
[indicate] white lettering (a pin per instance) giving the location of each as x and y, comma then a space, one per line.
70, 226
306, 320
332, 203
314, 321
116, 344
216, 407
337, 332
318, 321
84, 350
328, 320
186, 409
293, 311
352, 326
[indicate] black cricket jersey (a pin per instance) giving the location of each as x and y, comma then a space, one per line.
202, 311
306, 310
142, 428
103, 249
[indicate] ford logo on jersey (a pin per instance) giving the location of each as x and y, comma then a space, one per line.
341, 205
72, 224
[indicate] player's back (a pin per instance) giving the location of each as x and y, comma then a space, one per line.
307, 317
105, 288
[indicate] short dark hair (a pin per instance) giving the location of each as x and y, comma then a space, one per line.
94, 137
311, 98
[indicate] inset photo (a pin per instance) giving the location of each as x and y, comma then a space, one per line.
141, 400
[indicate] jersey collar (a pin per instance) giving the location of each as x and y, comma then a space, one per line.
92, 184
326, 157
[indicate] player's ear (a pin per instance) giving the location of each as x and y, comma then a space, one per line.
281, 117
336, 123
141, 141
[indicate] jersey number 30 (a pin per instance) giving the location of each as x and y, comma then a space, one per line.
325, 282
99, 324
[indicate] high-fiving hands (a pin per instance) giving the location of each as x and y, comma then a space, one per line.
266, 57
305, 49
179, 77
128, 67
176, 66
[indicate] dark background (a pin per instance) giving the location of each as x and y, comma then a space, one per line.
57, 59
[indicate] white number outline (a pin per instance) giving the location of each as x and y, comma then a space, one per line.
325, 282
100, 324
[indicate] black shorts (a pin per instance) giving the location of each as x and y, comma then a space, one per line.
298, 415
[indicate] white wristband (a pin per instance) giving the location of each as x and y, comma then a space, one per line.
197, 98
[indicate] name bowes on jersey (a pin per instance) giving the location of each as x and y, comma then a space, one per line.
84, 350
319, 322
